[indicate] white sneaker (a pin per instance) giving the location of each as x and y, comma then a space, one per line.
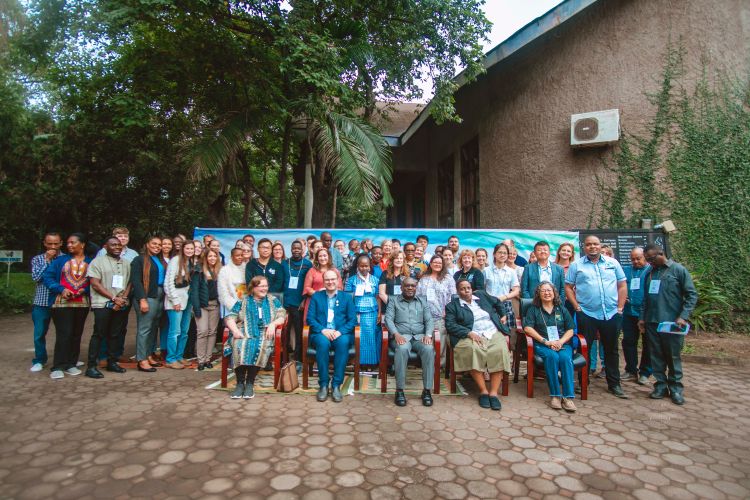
80, 363
73, 371
37, 367
56, 374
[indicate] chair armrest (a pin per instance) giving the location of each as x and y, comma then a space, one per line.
584, 346
519, 326
305, 342
529, 349
225, 336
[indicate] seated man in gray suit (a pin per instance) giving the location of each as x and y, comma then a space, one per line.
410, 323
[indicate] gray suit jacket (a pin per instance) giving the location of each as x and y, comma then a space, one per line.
409, 319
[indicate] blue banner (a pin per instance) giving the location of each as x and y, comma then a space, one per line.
468, 238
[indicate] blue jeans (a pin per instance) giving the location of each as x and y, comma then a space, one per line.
596, 354
40, 315
179, 323
557, 362
322, 347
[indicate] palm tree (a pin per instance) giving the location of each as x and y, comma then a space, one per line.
353, 155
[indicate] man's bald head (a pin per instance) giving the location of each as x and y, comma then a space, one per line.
638, 258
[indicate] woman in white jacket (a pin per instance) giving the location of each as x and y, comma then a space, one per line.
176, 295
231, 283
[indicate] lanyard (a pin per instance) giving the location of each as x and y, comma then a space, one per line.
289, 263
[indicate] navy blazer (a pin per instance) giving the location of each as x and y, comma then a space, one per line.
530, 280
459, 320
344, 314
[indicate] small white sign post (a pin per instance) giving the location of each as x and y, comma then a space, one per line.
9, 257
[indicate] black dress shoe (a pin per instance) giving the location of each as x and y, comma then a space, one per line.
657, 394
209, 365
677, 398
114, 367
201, 367
322, 394
93, 372
426, 398
336, 394
617, 391
147, 370
400, 398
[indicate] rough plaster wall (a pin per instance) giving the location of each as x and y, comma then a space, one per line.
606, 57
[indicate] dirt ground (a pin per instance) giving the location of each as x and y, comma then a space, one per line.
719, 345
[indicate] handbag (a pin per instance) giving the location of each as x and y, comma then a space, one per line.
288, 381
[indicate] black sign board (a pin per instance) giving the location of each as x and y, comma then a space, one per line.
623, 241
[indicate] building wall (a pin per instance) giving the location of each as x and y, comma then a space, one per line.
605, 57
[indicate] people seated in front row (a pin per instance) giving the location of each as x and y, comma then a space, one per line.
332, 318
551, 327
411, 327
477, 332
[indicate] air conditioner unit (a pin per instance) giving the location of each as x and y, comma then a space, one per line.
598, 128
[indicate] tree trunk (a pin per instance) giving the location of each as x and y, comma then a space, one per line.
333, 210
285, 147
309, 195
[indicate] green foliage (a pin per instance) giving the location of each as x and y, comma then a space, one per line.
713, 306
352, 214
694, 168
17, 297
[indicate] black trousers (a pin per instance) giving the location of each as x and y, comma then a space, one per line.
69, 322
107, 328
609, 335
294, 326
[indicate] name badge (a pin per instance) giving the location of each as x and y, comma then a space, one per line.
653, 287
330, 316
117, 281
260, 313
272, 271
293, 281
431, 296
396, 289
552, 333
359, 290
635, 283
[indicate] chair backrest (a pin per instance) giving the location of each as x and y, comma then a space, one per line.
525, 304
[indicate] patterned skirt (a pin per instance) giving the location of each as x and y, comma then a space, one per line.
253, 351
369, 338
508, 310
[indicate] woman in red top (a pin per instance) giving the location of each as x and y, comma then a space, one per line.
314, 277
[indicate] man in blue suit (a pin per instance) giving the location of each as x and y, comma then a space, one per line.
542, 270
332, 318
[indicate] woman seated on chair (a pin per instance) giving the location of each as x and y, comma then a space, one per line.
252, 323
477, 330
551, 327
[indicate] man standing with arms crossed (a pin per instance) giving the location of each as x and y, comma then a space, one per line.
596, 287
669, 296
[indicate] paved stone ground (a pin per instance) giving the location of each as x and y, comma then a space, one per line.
163, 435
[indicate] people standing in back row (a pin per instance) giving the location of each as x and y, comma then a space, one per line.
40, 310
110, 291
596, 287
542, 270
669, 297
147, 274
264, 265
630, 332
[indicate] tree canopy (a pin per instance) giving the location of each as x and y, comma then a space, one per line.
165, 114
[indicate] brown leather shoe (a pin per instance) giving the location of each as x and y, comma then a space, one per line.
567, 405
555, 404
175, 366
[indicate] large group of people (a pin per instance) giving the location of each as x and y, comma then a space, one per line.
184, 292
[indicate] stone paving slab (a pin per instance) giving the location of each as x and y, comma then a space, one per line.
162, 436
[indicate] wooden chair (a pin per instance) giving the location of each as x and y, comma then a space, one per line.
308, 357
449, 362
534, 362
387, 354
279, 353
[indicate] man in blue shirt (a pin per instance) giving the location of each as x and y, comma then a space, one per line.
332, 319
295, 270
630, 333
596, 287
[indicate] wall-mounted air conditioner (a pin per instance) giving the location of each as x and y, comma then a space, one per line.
598, 128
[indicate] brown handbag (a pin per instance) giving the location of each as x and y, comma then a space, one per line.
288, 381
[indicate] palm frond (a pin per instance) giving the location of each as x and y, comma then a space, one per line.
212, 154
